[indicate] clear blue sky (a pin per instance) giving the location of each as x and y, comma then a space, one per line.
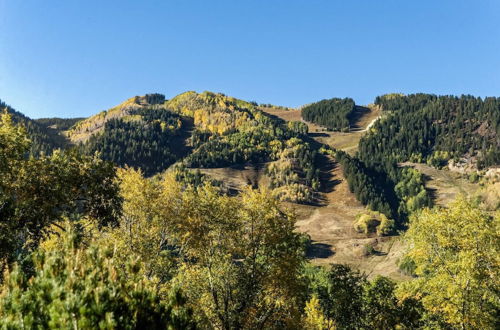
73, 58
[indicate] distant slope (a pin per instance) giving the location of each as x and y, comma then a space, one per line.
58, 124
44, 140
362, 119
445, 185
330, 224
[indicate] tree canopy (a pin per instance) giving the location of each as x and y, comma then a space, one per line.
333, 114
456, 253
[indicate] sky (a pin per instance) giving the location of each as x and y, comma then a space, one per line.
68, 58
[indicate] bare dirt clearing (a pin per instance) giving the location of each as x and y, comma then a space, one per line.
334, 238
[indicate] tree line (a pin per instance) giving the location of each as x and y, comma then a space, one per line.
422, 128
44, 140
373, 189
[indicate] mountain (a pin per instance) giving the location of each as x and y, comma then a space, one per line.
201, 130
211, 130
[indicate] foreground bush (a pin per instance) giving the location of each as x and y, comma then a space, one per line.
82, 288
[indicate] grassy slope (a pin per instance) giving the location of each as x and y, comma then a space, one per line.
445, 185
330, 224
345, 141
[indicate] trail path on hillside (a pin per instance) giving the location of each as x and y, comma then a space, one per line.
370, 124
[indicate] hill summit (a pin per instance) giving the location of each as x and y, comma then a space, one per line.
82, 131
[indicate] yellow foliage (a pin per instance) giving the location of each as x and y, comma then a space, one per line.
314, 317
373, 221
224, 243
456, 251
216, 113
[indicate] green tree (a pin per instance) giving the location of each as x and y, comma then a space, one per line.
381, 309
342, 298
38, 192
334, 114
243, 259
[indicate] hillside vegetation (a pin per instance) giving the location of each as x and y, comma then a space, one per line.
44, 139
334, 114
435, 129
229, 131
143, 139
421, 128
84, 244
202, 130
212, 112
84, 129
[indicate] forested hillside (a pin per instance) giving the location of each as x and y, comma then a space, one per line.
334, 114
397, 192
44, 139
420, 128
435, 129
201, 130
229, 131
143, 139
84, 129
212, 112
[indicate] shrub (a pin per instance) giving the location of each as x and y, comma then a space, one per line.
366, 224
386, 225
374, 222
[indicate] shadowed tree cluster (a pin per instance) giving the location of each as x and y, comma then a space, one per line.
333, 114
